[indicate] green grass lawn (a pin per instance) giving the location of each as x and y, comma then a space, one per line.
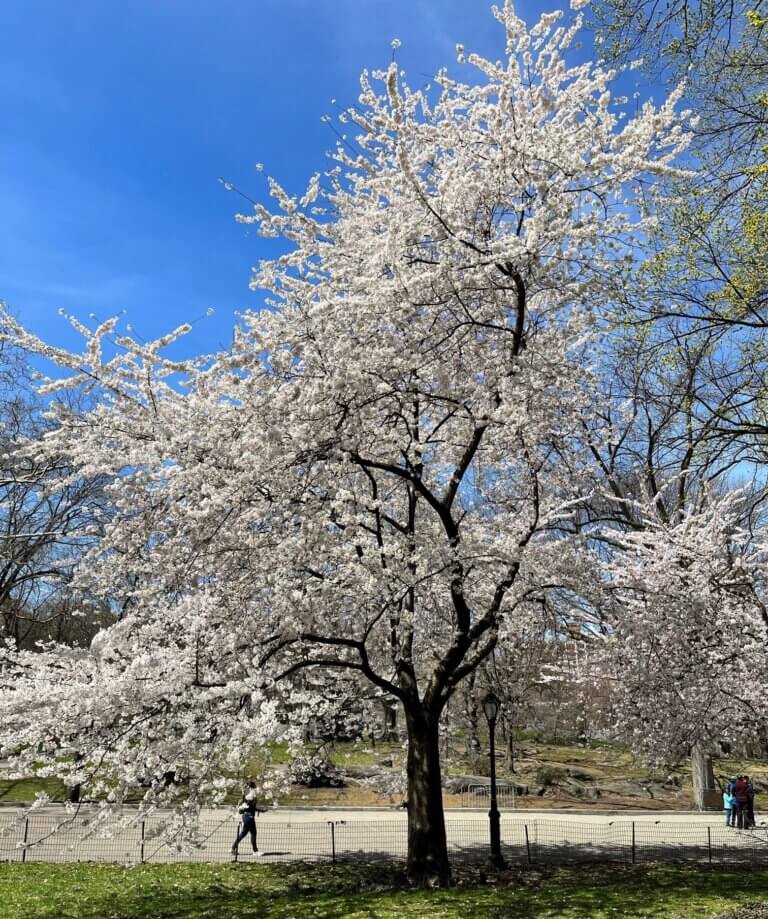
26, 789
354, 891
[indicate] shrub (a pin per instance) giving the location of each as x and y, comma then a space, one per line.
314, 771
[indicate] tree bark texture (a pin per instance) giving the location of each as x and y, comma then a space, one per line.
428, 864
703, 777
509, 738
470, 712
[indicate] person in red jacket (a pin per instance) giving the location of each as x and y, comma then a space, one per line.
741, 793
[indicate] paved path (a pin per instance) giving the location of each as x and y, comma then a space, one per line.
286, 834
375, 814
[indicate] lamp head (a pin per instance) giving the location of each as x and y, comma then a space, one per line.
491, 706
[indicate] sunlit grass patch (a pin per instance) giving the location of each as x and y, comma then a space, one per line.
28, 789
376, 892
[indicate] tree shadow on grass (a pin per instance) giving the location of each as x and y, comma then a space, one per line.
647, 891
344, 891
244, 891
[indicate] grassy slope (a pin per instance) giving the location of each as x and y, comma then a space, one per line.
348, 892
605, 763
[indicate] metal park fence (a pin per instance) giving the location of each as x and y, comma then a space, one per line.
524, 841
480, 796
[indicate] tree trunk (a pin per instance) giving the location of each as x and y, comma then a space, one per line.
470, 712
703, 777
74, 791
428, 864
389, 721
509, 737
446, 733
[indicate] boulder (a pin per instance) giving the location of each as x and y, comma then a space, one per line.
573, 788
456, 784
626, 789
581, 775
363, 772
551, 775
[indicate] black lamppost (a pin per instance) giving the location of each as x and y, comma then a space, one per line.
491, 709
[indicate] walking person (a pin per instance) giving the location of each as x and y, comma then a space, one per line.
247, 808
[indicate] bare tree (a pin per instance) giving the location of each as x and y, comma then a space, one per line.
45, 511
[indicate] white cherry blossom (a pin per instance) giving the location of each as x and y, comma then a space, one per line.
368, 485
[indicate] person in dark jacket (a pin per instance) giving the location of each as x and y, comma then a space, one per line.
247, 808
750, 818
741, 793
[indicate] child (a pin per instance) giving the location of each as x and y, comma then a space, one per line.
729, 808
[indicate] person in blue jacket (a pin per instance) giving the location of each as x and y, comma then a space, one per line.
729, 808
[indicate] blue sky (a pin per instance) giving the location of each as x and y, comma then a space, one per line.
118, 118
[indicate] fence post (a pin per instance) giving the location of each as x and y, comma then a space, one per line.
709, 844
527, 844
333, 841
141, 856
633, 843
26, 837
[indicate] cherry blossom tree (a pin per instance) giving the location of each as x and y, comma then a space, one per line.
687, 655
372, 481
